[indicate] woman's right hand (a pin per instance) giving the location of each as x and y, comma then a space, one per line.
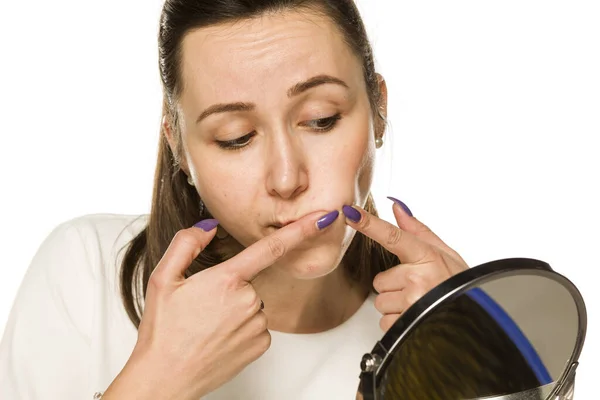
198, 333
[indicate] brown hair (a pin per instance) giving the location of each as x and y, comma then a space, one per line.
176, 204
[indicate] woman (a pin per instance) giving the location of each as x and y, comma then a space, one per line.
272, 113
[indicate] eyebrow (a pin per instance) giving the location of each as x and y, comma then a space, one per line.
295, 90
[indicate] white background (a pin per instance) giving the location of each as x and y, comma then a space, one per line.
494, 110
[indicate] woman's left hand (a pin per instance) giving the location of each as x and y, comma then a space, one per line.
426, 261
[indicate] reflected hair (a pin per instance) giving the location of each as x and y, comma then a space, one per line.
458, 352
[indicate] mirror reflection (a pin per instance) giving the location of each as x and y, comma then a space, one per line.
514, 334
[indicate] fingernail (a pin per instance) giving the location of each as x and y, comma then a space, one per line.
351, 213
207, 224
401, 204
327, 219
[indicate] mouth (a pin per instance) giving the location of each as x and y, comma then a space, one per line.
281, 224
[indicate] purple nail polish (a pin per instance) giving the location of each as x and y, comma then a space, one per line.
207, 224
327, 219
351, 213
401, 204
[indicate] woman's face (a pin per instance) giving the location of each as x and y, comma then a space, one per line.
276, 123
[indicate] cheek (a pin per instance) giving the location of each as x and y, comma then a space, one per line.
344, 169
365, 175
230, 197
365, 161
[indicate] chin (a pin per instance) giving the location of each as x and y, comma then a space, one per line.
311, 264
318, 258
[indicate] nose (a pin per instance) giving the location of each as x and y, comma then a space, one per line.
287, 175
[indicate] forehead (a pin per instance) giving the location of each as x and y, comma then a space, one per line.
257, 56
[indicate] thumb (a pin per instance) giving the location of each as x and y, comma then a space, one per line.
183, 249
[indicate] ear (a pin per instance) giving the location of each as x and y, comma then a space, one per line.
381, 107
169, 133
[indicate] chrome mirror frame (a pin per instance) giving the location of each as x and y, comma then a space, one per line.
374, 364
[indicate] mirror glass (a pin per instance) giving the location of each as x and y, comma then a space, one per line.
512, 334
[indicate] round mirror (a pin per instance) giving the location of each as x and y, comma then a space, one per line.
509, 329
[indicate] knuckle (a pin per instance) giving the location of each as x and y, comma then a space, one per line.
251, 301
380, 280
387, 321
377, 284
365, 221
226, 279
413, 297
185, 236
231, 280
186, 239
414, 278
379, 301
383, 324
421, 281
263, 342
457, 257
394, 235
444, 270
276, 247
157, 283
261, 323
422, 228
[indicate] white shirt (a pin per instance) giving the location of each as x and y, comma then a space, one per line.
68, 335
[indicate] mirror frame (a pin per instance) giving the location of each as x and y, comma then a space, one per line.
374, 364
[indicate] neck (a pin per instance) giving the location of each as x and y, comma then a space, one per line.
308, 305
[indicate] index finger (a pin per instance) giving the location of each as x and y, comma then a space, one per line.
405, 245
265, 252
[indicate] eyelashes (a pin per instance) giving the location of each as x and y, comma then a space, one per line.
238, 143
320, 125
323, 124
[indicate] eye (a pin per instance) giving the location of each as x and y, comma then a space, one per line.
236, 144
324, 124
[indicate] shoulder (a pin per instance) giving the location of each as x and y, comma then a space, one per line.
105, 231
103, 228
68, 307
94, 240
77, 266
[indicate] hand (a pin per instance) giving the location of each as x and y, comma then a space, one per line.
426, 261
198, 333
